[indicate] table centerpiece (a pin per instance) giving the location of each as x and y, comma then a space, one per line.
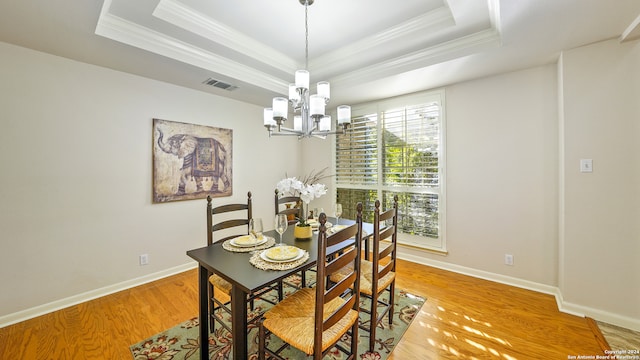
307, 188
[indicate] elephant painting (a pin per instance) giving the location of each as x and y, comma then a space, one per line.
195, 156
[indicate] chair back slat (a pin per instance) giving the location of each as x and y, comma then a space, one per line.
386, 251
339, 314
229, 224
349, 287
386, 215
387, 232
229, 207
340, 287
384, 270
341, 261
345, 234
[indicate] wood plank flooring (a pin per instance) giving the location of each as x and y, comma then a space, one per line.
470, 318
463, 318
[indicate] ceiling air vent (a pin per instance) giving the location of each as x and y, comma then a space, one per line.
219, 84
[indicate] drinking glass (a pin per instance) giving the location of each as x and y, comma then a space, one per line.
255, 231
317, 212
337, 211
281, 225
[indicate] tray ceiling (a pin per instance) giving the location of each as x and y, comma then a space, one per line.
366, 49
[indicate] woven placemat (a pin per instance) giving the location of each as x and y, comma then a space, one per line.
259, 262
229, 247
336, 228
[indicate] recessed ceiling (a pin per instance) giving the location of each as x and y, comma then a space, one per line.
366, 49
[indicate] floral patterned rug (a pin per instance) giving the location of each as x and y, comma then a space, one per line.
182, 341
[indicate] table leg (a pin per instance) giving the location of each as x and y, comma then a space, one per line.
203, 288
239, 322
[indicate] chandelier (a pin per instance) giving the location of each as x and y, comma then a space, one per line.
309, 119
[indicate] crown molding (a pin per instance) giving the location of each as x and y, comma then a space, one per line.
180, 15
485, 39
632, 32
488, 38
415, 28
127, 32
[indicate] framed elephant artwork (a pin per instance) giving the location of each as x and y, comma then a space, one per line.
190, 161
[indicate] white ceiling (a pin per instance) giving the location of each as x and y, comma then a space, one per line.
367, 49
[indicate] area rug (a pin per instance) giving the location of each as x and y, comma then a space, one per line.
182, 341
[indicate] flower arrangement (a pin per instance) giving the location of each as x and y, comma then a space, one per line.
306, 188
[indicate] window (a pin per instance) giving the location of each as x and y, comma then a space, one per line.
396, 147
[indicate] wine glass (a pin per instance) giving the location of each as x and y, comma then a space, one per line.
281, 225
255, 231
317, 212
337, 211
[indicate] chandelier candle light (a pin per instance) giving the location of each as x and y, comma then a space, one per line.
310, 119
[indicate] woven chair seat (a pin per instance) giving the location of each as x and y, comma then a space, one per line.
220, 284
366, 277
292, 320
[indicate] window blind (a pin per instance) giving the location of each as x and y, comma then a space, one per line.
357, 152
396, 150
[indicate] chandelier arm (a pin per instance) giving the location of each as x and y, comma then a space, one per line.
287, 131
286, 134
338, 132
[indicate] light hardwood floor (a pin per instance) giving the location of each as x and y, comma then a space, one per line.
463, 318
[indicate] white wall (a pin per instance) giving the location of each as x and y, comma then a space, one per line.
75, 178
600, 237
501, 184
502, 172
513, 181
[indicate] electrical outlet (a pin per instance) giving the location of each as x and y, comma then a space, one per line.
508, 259
144, 259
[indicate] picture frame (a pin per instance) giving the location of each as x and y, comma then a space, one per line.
191, 161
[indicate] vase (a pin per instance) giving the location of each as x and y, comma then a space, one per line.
302, 232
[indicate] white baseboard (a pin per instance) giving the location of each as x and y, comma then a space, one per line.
33, 312
563, 306
601, 315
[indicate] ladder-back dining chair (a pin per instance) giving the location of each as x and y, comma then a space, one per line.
378, 274
280, 208
294, 213
229, 221
314, 320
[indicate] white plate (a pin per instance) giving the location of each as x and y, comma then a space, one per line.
263, 256
316, 224
245, 241
337, 228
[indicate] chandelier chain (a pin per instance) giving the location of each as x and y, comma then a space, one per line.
306, 36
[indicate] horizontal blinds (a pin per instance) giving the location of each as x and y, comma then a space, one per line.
417, 213
411, 137
391, 152
357, 152
349, 198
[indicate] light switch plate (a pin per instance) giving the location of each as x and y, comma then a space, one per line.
586, 165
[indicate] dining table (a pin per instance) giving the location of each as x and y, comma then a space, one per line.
245, 278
